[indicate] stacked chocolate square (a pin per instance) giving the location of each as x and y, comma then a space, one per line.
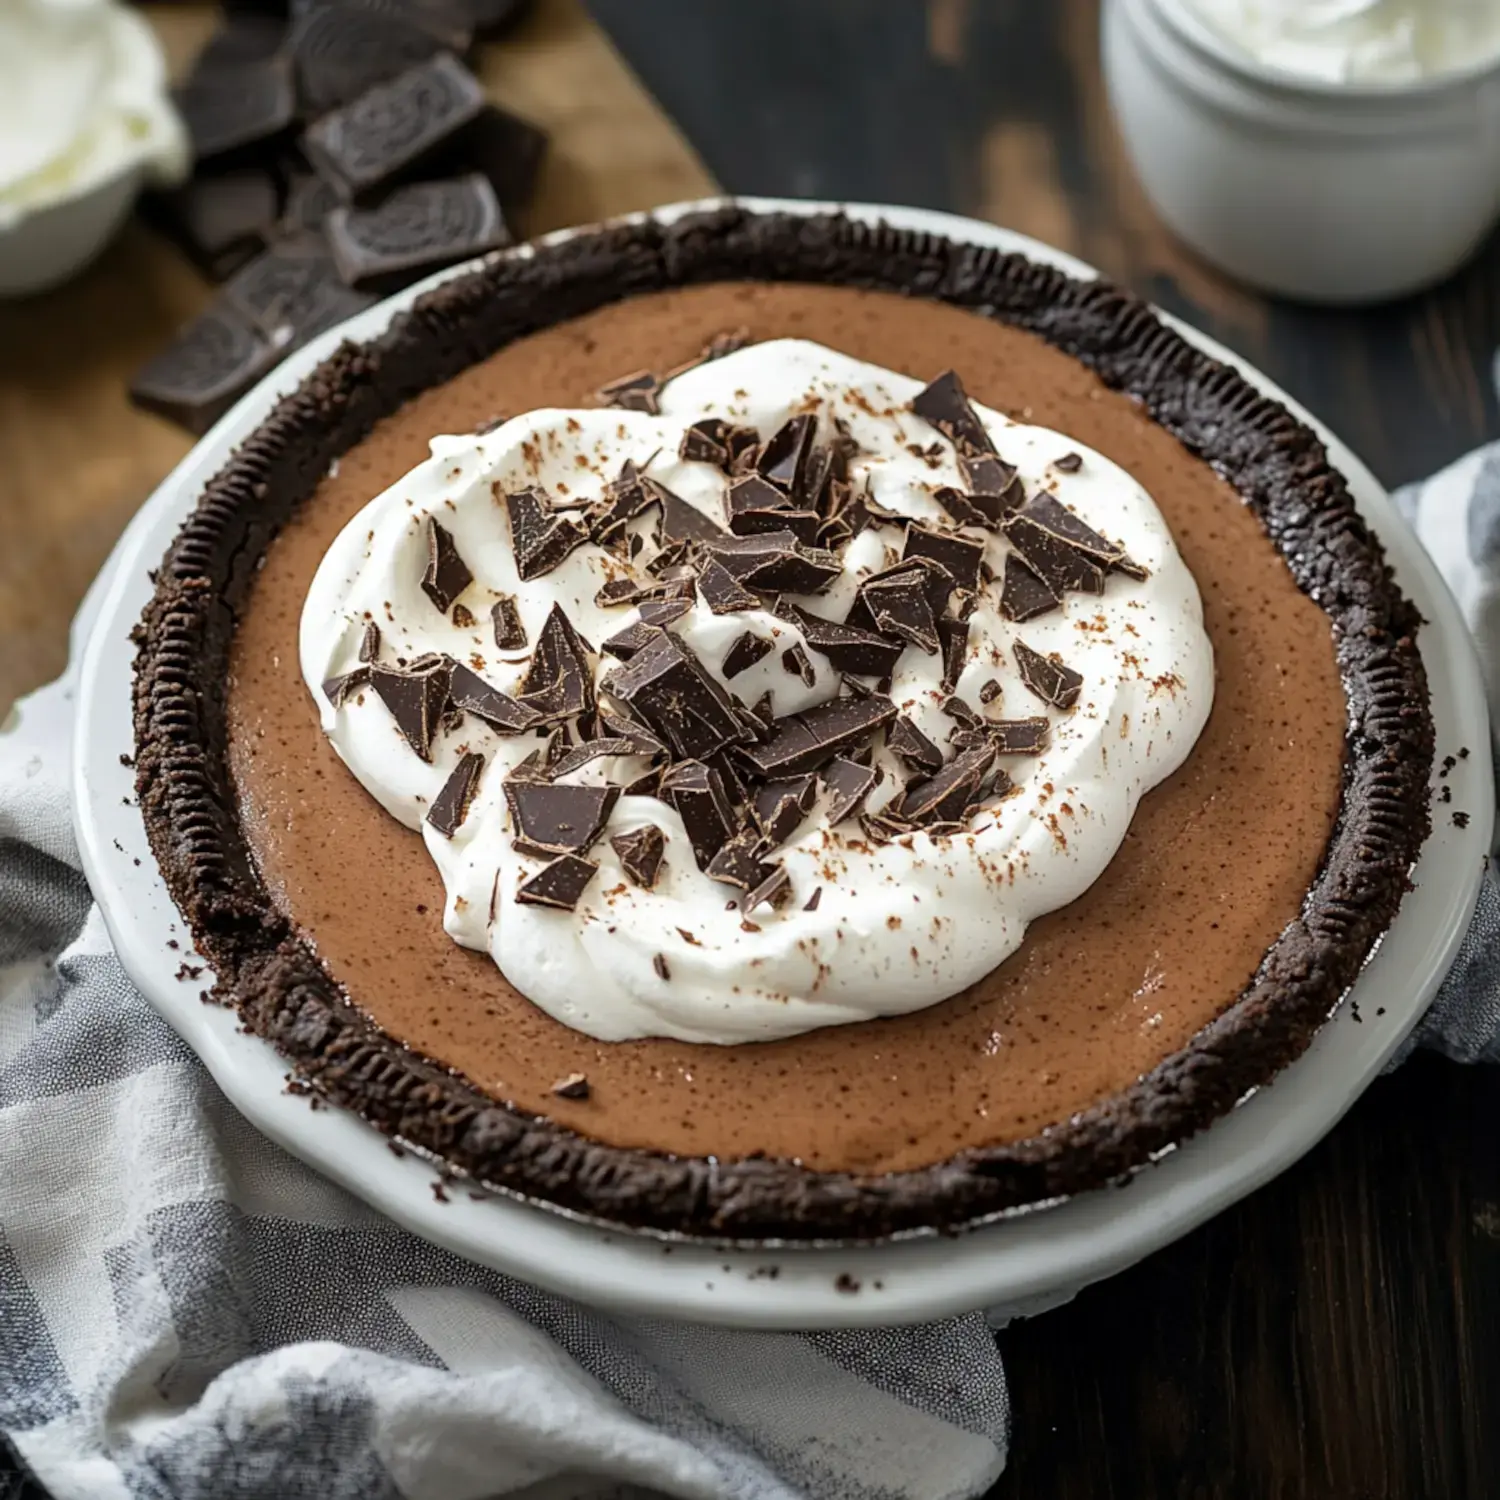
341, 153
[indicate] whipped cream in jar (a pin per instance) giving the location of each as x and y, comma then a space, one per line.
1336, 151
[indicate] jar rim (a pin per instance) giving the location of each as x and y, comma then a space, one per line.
1204, 39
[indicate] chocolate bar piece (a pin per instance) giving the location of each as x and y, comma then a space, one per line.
416, 230
293, 292
222, 220
342, 50
235, 109
309, 201
394, 128
205, 370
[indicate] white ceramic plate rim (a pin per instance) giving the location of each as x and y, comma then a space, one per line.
1021, 1263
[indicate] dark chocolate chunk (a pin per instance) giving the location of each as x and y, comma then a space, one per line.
468, 691
309, 201
1069, 463
1020, 736
635, 392
668, 687
747, 649
575, 1085
369, 642
559, 682
723, 592
625, 643
621, 727
697, 792
814, 900
847, 649
1052, 516
946, 797
772, 891
956, 708
704, 442
739, 862
540, 538
338, 689
779, 806
989, 691
560, 884
557, 817
848, 783
586, 753
1023, 596
806, 741
803, 524
899, 605
620, 591
293, 292
680, 521
1056, 561
233, 108
640, 853
751, 492
959, 555
510, 633
447, 574
416, 230
963, 508
995, 486
783, 459
204, 371
664, 612
945, 405
659, 963
776, 562
647, 784
794, 661
907, 741
416, 698
1050, 680
451, 805
342, 52
221, 219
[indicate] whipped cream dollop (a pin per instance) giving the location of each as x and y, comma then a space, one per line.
1356, 41
870, 928
83, 98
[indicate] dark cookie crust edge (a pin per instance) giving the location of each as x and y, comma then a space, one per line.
270, 974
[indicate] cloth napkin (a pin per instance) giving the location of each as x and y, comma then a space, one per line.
186, 1311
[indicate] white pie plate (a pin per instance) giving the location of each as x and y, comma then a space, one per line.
1021, 1263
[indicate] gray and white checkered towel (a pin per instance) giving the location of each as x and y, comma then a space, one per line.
186, 1311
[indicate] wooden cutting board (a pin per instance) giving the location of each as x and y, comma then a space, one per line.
77, 460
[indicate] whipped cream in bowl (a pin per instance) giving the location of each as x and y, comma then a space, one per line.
786, 699
85, 118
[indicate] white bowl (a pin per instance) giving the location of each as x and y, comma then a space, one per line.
45, 248
1336, 193
1023, 1262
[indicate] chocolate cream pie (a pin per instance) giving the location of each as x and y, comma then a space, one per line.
771, 726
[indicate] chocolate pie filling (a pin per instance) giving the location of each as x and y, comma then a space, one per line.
1217, 863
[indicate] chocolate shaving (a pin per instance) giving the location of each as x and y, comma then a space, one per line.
963, 508
505, 616
555, 817
451, 805
722, 591
956, 708
638, 391
560, 884
907, 741
794, 661
447, 574
747, 649
847, 648
574, 1086
848, 783
635, 637
1023, 596
640, 853
805, 741
620, 591
946, 797
369, 643
670, 689
946, 406
814, 900
469, 692
803, 524
416, 699
659, 963
697, 792
1050, 680
1069, 463
959, 555
664, 612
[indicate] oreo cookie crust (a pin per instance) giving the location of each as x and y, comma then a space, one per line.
270, 974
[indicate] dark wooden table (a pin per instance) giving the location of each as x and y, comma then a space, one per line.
1338, 1335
